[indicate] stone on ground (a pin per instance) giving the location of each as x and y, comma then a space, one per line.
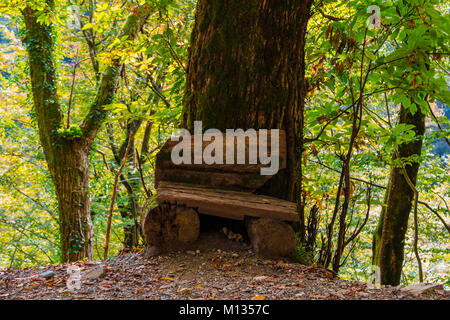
169, 227
96, 273
421, 288
271, 238
47, 274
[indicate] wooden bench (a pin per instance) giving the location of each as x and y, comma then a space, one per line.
223, 190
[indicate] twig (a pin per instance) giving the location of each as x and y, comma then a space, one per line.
436, 213
416, 227
74, 73
44, 207
113, 197
437, 122
106, 162
329, 17
147, 192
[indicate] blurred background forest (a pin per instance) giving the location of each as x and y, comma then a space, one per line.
148, 106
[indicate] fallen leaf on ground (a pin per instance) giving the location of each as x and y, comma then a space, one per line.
168, 278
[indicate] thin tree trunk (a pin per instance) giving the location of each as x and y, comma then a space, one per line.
389, 238
113, 197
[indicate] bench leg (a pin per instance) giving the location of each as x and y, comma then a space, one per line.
170, 227
270, 238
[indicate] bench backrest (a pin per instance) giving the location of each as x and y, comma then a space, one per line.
231, 173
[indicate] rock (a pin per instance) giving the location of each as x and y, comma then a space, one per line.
339, 295
47, 274
271, 238
362, 294
95, 273
228, 287
400, 286
421, 288
169, 227
151, 251
259, 278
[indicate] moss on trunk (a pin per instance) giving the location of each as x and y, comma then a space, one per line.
246, 70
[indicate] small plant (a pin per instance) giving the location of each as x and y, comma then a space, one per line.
74, 131
302, 256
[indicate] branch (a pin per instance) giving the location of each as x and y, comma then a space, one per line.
108, 84
74, 74
436, 213
329, 17
141, 175
437, 122
352, 178
308, 140
39, 43
43, 206
113, 197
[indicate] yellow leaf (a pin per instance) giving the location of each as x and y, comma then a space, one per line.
167, 278
259, 298
185, 291
88, 26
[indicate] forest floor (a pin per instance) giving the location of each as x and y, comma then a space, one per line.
215, 268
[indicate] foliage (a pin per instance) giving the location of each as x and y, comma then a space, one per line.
72, 132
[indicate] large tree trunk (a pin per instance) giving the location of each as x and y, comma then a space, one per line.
389, 238
246, 70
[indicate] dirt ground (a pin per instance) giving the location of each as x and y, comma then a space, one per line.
213, 268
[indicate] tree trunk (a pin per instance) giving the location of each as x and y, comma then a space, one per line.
131, 232
389, 238
246, 70
131, 183
70, 172
67, 156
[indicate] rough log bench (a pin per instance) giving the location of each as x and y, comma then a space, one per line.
223, 190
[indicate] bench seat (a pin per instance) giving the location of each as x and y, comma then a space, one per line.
226, 203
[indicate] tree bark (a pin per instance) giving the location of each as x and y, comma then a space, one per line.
70, 173
68, 157
389, 237
246, 70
